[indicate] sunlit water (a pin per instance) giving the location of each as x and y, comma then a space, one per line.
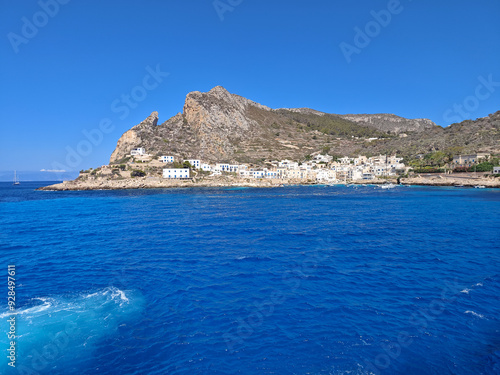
294, 280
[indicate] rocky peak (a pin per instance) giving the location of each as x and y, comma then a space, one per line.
220, 92
219, 96
150, 121
135, 137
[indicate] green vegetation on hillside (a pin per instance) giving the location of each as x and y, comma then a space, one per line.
333, 125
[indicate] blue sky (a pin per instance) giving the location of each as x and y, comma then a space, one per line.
69, 65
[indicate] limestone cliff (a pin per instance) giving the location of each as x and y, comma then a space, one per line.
131, 138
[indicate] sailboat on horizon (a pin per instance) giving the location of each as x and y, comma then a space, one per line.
16, 180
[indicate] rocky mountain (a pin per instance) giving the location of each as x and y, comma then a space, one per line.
218, 126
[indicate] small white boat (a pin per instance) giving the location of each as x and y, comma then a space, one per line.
480, 187
388, 186
16, 180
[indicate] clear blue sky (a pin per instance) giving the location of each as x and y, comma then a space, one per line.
64, 77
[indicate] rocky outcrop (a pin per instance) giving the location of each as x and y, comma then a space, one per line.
219, 121
134, 137
391, 123
160, 183
307, 111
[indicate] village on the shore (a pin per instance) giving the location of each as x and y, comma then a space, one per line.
316, 167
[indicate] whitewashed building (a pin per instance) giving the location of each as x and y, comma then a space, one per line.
326, 175
271, 174
138, 151
288, 164
231, 168
322, 158
177, 173
196, 163
206, 167
346, 160
258, 174
167, 159
355, 174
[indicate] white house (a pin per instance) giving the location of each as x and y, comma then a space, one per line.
288, 164
178, 173
258, 174
167, 159
355, 174
138, 151
271, 174
227, 167
196, 163
496, 170
326, 175
206, 167
368, 176
323, 158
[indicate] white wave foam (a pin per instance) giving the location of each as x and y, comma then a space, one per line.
475, 314
479, 284
61, 305
466, 291
86, 318
119, 293
47, 304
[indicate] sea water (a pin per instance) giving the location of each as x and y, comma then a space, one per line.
292, 280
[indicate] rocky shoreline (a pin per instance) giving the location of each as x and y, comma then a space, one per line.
487, 182
160, 183
226, 181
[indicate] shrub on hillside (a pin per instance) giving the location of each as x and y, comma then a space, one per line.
137, 173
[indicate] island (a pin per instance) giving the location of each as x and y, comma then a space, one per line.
222, 139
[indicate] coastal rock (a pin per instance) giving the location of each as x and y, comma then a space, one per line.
230, 181
132, 138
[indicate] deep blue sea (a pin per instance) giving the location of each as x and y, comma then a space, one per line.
293, 280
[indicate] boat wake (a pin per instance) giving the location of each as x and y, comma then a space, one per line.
58, 333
